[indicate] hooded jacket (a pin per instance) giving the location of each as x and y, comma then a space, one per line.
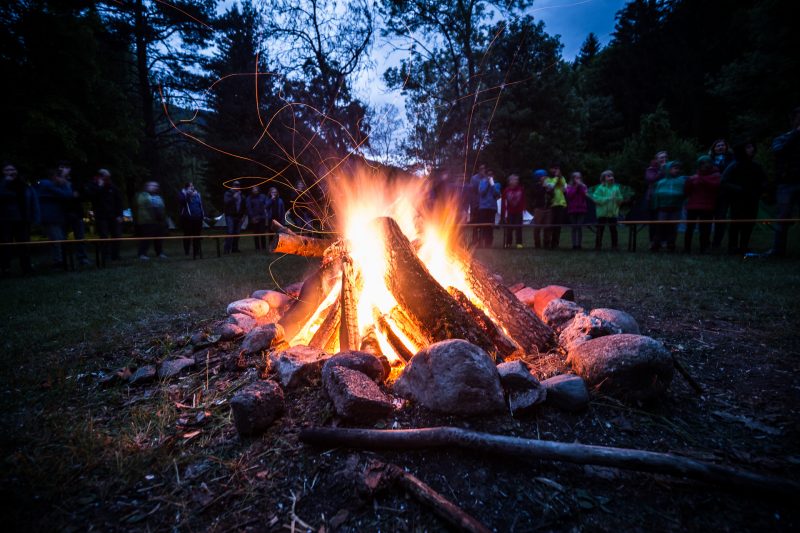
576, 199
669, 191
701, 189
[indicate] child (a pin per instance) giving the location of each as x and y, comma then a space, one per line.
607, 198
701, 197
669, 197
576, 207
511, 207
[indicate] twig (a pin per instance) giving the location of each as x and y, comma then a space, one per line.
685, 373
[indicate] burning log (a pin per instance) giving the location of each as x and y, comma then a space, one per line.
391, 337
349, 337
328, 328
289, 242
312, 295
427, 304
369, 342
491, 445
517, 319
504, 345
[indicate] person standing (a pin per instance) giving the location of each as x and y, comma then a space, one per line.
192, 214
607, 198
488, 193
701, 198
669, 198
19, 208
54, 193
557, 186
539, 202
474, 202
512, 206
107, 208
301, 200
234, 207
576, 208
73, 213
786, 148
257, 216
721, 157
652, 175
275, 209
151, 220
743, 182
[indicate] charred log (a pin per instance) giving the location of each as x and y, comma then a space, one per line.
289, 242
313, 293
328, 328
504, 345
349, 337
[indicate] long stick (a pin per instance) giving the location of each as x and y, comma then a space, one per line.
630, 459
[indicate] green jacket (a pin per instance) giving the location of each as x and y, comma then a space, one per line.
668, 193
607, 199
150, 209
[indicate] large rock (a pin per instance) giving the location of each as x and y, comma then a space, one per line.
297, 365
355, 395
262, 338
583, 328
228, 332
525, 401
253, 307
244, 322
452, 376
625, 322
559, 312
523, 389
256, 407
624, 365
526, 295
547, 294
173, 367
567, 391
376, 367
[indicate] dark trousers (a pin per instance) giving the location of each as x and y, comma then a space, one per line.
192, 227
576, 221
513, 218
74, 223
720, 213
233, 226
668, 232
260, 239
602, 222
652, 229
540, 217
147, 232
739, 233
552, 234
486, 233
788, 197
703, 227
475, 218
109, 228
15, 232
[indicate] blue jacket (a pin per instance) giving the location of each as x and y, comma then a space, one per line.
488, 195
191, 205
257, 207
275, 210
18, 202
53, 200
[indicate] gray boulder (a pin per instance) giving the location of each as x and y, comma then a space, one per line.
262, 338
523, 389
374, 366
228, 332
567, 392
454, 377
621, 319
253, 307
525, 401
173, 367
297, 365
355, 395
583, 328
547, 294
625, 365
245, 322
256, 407
559, 312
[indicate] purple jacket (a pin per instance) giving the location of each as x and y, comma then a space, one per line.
576, 198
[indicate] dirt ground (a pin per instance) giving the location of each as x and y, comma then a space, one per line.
166, 456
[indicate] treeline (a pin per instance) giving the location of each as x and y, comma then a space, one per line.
206, 91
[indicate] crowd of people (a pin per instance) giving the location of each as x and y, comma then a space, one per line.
718, 194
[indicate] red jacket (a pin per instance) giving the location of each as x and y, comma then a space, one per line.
513, 201
701, 191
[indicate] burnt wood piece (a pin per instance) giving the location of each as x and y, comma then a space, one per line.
380, 475
329, 326
288, 242
392, 338
349, 337
427, 304
521, 324
491, 445
369, 342
315, 289
504, 345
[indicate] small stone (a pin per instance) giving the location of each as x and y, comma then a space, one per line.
567, 392
297, 365
516, 375
625, 322
526, 295
173, 367
374, 366
249, 306
583, 328
256, 407
262, 338
547, 294
355, 395
625, 365
453, 377
143, 374
524, 401
228, 332
558, 312
245, 322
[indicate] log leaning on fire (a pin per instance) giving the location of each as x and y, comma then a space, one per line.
519, 321
434, 312
289, 242
349, 336
311, 296
503, 344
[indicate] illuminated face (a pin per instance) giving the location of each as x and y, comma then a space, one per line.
609, 178
513, 181
661, 157
721, 147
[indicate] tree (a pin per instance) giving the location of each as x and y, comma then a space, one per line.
589, 50
385, 130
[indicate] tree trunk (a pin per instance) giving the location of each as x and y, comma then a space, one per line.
145, 90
